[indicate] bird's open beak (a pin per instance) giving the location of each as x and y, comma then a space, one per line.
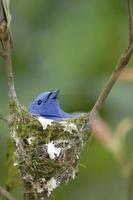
55, 94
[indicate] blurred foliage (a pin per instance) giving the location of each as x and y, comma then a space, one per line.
72, 45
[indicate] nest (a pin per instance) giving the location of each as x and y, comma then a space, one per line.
47, 152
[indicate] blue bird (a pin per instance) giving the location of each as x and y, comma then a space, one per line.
47, 105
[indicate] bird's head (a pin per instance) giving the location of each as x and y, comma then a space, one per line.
47, 105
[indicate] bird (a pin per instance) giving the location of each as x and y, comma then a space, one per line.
47, 105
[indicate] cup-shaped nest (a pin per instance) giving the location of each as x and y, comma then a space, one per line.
47, 151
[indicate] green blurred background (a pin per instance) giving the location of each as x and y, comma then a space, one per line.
72, 45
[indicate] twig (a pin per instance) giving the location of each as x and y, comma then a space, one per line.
6, 194
122, 62
130, 186
130, 19
9, 71
5, 53
2, 54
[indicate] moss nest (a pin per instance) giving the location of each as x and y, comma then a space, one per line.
47, 151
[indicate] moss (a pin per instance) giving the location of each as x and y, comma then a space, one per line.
13, 179
34, 162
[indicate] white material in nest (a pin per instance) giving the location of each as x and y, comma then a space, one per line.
51, 185
15, 164
53, 151
45, 122
69, 127
38, 187
74, 174
31, 139
43, 180
14, 136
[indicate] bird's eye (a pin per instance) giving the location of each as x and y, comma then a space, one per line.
49, 95
39, 102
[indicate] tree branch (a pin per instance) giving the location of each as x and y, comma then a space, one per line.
2, 54
130, 19
121, 64
10, 78
130, 185
5, 52
6, 194
123, 61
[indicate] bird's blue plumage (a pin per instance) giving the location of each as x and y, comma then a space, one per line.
47, 105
